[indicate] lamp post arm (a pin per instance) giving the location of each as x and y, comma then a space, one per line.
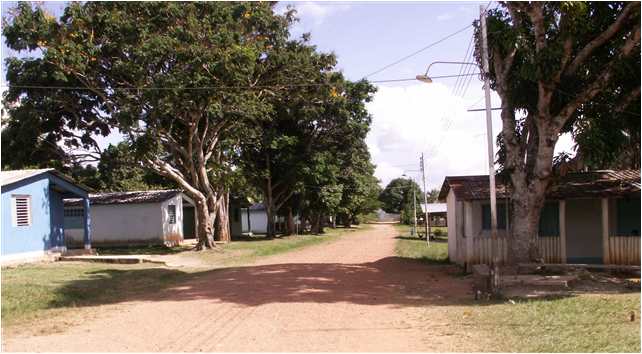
449, 62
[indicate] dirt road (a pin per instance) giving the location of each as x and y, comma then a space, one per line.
349, 295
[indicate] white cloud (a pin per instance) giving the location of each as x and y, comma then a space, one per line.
445, 17
409, 120
312, 14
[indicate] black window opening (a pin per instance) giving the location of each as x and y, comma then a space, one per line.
171, 211
237, 214
628, 217
502, 218
549, 220
71, 213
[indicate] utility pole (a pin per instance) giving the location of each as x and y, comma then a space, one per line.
423, 176
414, 209
491, 154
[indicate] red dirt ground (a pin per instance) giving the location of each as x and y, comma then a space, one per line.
350, 295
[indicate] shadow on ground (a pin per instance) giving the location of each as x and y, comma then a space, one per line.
392, 281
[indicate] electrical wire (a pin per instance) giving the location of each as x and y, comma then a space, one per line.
418, 51
461, 68
159, 88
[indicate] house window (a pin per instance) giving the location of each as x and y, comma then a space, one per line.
171, 211
21, 210
501, 216
74, 213
549, 220
628, 217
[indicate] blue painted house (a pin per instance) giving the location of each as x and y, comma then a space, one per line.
33, 213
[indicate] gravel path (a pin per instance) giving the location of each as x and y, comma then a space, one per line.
349, 295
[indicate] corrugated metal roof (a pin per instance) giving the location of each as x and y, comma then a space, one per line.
434, 207
134, 197
572, 185
12, 176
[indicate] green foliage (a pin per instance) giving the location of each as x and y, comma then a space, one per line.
119, 170
397, 196
606, 126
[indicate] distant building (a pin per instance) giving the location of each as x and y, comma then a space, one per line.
382, 216
32, 213
589, 217
437, 212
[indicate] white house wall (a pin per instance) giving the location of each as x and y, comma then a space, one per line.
451, 214
258, 221
121, 224
172, 232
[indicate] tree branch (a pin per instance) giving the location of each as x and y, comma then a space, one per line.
604, 37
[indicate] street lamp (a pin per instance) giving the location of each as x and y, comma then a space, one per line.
425, 78
489, 136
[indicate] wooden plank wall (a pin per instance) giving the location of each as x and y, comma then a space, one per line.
624, 250
550, 248
482, 250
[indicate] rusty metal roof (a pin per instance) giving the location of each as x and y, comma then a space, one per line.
135, 197
573, 185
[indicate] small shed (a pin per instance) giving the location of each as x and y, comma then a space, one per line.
437, 212
133, 218
32, 213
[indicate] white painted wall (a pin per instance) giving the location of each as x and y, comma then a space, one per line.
123, 224
172, 231
258, 221
451, 214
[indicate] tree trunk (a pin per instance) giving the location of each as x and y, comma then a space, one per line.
205, 229
290, 223
222, 225
269, 201
322, 223
315, 223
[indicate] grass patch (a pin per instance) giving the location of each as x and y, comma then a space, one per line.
28, 291
412, 247
584, 323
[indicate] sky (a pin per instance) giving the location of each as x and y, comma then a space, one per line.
409, 117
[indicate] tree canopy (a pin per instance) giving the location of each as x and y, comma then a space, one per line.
208, 95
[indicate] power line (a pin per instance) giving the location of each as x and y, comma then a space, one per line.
418, 51
461, 68
160, 88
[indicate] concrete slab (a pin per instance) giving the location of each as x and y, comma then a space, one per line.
124, 259
538, 280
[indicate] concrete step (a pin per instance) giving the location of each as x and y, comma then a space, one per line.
125, 259
79, 252
538, 280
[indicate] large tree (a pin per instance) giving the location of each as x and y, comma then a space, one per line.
313, 129
396, 198
550, 63
176, 78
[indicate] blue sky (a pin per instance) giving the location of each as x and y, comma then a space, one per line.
408, 117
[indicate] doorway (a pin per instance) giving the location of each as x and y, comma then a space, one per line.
584, 231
